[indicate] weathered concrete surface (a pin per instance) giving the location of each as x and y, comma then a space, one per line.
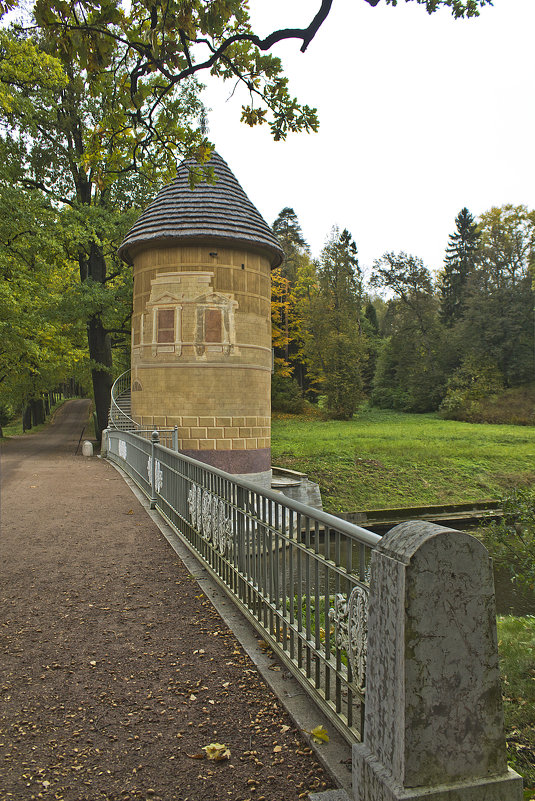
434, 719
329, 795
297, 486
380, 787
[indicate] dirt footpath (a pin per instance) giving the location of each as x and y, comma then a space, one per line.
115, 669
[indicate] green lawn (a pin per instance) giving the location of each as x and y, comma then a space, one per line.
516, 644
385, 459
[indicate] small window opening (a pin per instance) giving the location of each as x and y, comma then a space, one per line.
212, 325
166, 326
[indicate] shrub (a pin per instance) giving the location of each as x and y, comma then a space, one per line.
511, 542
286, 395
6, 413
474, 381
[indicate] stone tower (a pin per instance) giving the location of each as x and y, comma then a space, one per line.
201, 325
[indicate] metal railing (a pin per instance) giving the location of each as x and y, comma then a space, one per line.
298, 574
168, 437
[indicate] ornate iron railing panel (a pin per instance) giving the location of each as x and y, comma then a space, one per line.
298, 574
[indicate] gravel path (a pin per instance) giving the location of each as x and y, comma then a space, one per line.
116, 670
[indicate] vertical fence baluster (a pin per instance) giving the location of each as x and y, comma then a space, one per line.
326, 607
338, 649
299, 594
155, 438
291, 588
317, 605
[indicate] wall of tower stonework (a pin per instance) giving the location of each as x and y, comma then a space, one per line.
245, 274
233, 402
211, 433
189, 283
201, 348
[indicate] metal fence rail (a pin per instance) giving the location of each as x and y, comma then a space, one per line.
168, 437
298, 574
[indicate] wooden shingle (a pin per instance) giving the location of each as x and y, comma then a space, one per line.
218, 213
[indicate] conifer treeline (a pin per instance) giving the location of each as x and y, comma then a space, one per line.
407, 340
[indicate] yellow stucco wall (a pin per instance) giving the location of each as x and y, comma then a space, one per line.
218, 394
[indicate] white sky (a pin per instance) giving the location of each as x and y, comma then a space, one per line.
420, 115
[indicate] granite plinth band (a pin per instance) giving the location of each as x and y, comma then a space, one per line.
237, 462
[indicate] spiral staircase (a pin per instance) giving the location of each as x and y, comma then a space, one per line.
120, 416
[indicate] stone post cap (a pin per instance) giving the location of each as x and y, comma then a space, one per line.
404, 540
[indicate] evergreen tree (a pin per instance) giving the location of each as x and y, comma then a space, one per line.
461, 255
370, 314
370, 326
498, 319
288, 231
410, 365
335, 346
288, 228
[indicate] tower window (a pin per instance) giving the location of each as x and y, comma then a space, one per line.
212, 326
166, 326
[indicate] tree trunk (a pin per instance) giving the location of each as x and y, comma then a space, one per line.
26, 418
100, 352
38, 411
99, 341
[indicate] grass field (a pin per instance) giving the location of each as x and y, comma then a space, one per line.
516, 644
384, 459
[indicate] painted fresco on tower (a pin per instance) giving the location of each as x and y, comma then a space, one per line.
185, 317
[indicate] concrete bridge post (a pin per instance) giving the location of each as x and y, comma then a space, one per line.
434, 719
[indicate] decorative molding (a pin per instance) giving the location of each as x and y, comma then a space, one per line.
350, 617
158, 474
209, 517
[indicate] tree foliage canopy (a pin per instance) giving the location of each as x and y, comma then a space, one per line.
70, 135
98, 102
174, 41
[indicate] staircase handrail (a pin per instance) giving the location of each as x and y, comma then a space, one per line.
117, 415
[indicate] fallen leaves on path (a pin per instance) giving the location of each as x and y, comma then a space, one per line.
217, 751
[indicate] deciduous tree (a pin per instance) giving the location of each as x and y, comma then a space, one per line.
178, 40
76, 141
40, 345
286, 298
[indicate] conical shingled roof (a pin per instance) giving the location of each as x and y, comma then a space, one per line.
220, 213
